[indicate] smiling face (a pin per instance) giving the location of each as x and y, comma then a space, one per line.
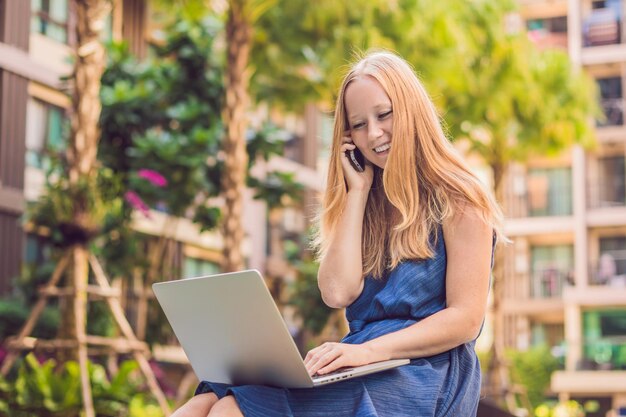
370, 117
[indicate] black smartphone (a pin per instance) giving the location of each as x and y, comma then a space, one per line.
356, 158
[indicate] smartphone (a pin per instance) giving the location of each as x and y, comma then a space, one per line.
357, 160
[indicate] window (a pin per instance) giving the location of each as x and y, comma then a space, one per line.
49, 17
550, 192
548, 32
196, 267
611, 100
612, 181
552, 25
46, 132
551, 268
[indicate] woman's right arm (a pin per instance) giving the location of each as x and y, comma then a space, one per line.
340, 275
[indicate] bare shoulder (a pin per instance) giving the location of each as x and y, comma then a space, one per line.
466, 224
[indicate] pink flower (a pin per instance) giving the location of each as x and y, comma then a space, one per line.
137, 203
152, 176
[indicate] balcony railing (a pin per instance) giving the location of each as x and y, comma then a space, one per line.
606, 187
549, 282
602, 27
609, 270
613, 109
606, 354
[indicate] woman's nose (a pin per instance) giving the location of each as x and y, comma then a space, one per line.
375, 131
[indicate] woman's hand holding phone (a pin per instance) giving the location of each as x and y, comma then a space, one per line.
356, 180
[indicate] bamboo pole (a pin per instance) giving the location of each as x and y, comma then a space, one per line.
127, 331
28, 327
81, 276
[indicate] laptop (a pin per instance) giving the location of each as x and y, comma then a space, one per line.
232, 332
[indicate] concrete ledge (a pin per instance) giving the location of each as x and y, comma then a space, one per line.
589, 382
19, 62
12, 200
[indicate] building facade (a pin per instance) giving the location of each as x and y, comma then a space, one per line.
565, 273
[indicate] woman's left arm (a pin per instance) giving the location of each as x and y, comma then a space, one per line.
468, 241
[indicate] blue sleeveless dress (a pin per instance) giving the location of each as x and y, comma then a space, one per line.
446, 384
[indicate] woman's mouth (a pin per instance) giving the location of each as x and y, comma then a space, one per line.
382, 148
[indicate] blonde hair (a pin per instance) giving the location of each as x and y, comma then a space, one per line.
424, 182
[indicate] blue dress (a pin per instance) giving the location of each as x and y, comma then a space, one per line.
446, 384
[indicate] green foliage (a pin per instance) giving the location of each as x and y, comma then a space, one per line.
569, 408
278, 189
305, 296
13, 315
56, 208
532, 369
44, 390
164, 116
141, 406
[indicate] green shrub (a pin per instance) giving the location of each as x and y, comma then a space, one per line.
532, 369
43, 390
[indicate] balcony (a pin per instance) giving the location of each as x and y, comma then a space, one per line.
549, 282
602, 27
548, 33
611, 101
609, 270
607, 354
613, 110
541, 193
589, 382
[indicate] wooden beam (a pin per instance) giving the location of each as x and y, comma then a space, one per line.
92, 290
35, 313
127, 331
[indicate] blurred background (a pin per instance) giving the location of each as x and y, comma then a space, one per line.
152, 140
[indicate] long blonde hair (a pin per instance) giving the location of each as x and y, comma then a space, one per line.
424, 181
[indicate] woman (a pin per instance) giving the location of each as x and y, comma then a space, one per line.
406, 246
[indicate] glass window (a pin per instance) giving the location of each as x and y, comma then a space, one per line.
196, 267
46, 132
612, 181
49, 17
550, 192
611, 101
552, 25
551, 268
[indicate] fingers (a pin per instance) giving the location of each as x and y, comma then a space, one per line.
338, 362
322, 357
347, 146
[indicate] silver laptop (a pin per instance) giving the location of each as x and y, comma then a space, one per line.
232, 332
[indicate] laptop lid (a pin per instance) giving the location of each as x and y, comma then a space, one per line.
231, 330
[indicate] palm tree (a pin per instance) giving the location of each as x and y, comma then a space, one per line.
81, 154
239, 27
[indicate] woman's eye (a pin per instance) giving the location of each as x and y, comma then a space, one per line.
385, 114
358, 125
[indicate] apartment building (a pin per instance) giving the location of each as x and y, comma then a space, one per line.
35, 40
565, 279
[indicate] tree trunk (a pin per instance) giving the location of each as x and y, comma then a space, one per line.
81, 153
88, 69
238, 39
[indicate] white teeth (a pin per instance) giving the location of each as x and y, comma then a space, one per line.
382, 148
